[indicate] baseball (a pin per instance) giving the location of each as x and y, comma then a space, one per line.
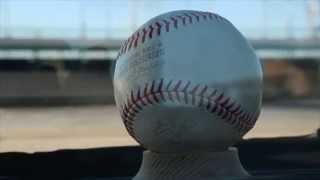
187, 81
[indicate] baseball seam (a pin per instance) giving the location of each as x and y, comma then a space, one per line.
182, 92
162, 25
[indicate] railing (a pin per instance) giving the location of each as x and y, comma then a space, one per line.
277, 35
62, 33
123, 32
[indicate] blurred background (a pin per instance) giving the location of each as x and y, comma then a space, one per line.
56, 60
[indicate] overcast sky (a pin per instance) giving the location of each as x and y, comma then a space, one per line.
119, 17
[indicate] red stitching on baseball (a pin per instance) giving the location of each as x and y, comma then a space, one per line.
195, 89
196, 16
216, 103
130, 42
218, 100
168, 85
126, 45
230, 105
151, 31
210, 16
175, 22
167, 23
186, 86
183, 19
121, 49
221, 111
144, 31
171, 22
208, 105
155, 98
219, 18
185, 92
204, 15
193, 92
176, 89
170, 96
204, 90
139, 98
152, 86
213, 94
133, 99
215, 108
158, 25
136, 39
169, 92
236, 109
190, 18
225, 102
160, 90
200, 102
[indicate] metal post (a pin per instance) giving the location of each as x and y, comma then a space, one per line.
82, 20
108, 20
264, 19
1, 17
7, 32
83, 27
318, 81
313, 12
133, 14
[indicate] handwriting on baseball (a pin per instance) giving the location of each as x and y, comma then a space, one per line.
151, 52
144, 59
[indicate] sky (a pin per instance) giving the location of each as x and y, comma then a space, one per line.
118, 18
